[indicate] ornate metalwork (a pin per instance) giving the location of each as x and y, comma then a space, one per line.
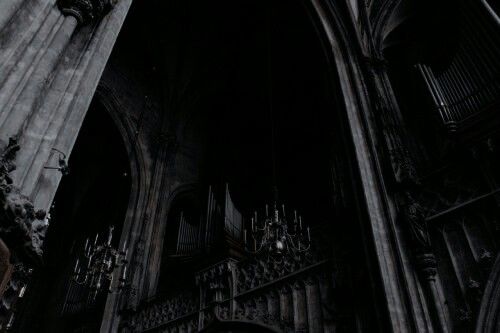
62, 163
275, 235
99, 264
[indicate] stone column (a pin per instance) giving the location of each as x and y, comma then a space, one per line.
7, 10
286, 307
424, 258
18, 99
328, 307
273, 307
35, 94
299, 307
33, 64
52, 54
314, 315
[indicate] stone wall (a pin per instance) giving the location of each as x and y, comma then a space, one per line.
52, 54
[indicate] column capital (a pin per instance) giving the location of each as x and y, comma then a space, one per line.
86, 11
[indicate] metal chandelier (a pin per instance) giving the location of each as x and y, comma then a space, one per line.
275, 233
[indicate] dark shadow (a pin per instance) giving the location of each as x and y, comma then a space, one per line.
92, 197
236, 326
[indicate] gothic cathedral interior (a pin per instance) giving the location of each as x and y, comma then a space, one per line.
249, 166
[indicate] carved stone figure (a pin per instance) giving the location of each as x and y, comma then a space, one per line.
414, 216
19, 227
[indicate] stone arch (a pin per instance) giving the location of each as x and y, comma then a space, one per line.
402, 305
182, 194
85, 206
136, 217
138, 164
353, 102
393, 15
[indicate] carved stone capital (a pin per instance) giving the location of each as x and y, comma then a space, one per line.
86, 11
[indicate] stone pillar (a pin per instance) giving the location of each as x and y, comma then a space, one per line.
424, 258
273, 307
30, 76
7, 10
299, 307
48, 75
314, 315
49, 70
286, 306
328, 308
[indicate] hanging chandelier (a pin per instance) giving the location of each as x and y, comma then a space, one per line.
99, 264
276, 235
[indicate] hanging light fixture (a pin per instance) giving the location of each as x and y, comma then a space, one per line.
98, 266
275, 234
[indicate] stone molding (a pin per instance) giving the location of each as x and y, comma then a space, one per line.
86, 11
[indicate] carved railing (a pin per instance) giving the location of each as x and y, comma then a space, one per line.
290, 295
180, 311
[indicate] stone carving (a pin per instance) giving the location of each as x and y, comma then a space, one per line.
21, 227
415, 222
265, 298
166, 312
485, 259
261, 270
474, 290
215, 280
86, 10
397, 145
14, 290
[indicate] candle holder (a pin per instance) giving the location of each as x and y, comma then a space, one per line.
276, 235
98, 265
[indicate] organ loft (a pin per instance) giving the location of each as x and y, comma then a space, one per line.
249, 166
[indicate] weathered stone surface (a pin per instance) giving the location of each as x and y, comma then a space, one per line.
18, 228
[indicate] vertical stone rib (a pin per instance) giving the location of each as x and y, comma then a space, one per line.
26, 59
273, 307
7, 10
299, 307
286, 306
39, 78
44, 126
314, 315
83, 71
326, 303
19, 33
